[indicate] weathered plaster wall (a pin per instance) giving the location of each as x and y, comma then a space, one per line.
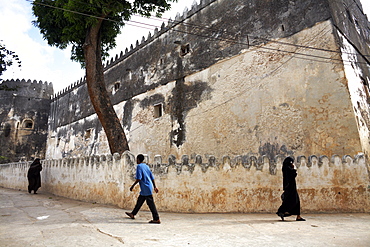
232, 86
24, 111
261, 101
274, 103
206, 183
353, 31
360, 94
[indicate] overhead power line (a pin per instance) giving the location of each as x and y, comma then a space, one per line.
263, 45
230, 40
234, 41
253, 37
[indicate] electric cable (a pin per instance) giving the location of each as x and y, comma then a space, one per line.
293, 53
254, 37
204, 36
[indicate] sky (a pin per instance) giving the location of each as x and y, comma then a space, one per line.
45, 63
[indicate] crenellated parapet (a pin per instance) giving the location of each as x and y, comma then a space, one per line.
195, 183
25, 107
165, 27
69, 89
222, 79
27, 88
189, 164
23, 82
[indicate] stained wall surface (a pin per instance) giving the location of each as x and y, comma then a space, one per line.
205, 183
267, 78
245, 104
353, 34
24, 112
231, 87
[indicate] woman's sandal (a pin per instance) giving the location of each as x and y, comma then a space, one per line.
300, 219
281, 215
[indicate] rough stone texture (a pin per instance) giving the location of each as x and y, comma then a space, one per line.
353, 32
24, 112
206, 184
259, 80
273, 90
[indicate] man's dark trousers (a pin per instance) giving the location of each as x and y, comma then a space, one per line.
150, 202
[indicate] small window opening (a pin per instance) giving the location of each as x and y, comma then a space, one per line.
158, 111
129, 74
87, 134
282, 28
116, 87
28, 124
185, 49
58, 141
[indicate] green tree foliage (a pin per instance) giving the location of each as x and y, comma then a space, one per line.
65, 22
7, 58
91, 27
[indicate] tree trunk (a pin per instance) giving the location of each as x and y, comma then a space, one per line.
98, 93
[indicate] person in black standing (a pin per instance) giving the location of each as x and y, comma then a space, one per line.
33, 175
291, 204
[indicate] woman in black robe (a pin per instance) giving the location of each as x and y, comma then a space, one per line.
291, 204
33, 175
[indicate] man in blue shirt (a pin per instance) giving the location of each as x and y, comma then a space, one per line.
145, 179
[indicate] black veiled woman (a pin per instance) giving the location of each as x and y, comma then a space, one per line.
291, 204
33, 175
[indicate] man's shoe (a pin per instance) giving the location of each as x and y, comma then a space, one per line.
130, 215
155, 221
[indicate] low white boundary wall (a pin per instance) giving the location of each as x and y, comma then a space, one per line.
205, 184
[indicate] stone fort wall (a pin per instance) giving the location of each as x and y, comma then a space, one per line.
264, 78
198, 183
24, 113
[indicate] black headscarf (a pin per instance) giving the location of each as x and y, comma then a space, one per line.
288, 163
289, 174
36, 162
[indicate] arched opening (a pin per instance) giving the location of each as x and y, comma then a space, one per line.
27, 124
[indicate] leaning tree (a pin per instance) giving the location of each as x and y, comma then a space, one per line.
91, 27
